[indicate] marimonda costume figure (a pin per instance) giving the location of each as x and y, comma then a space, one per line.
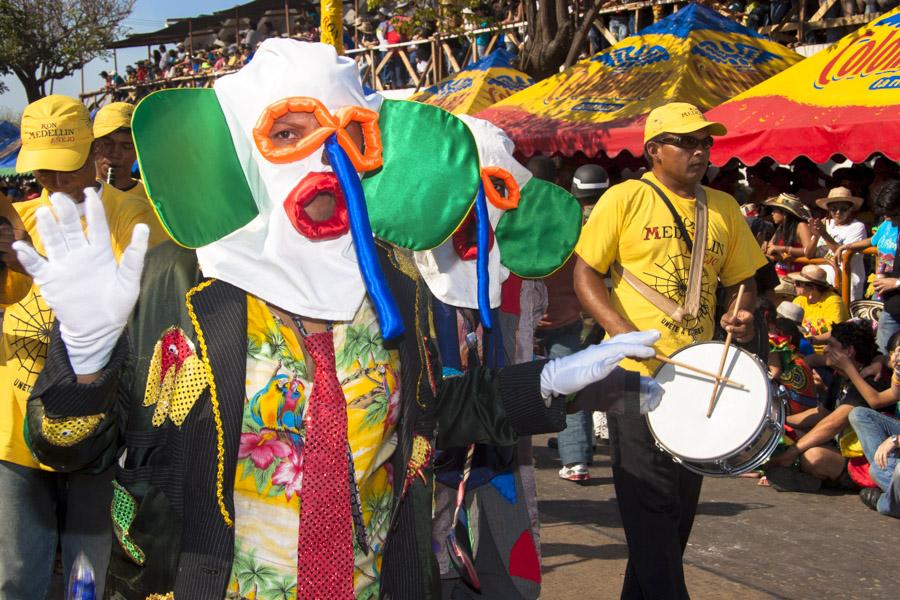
280, 411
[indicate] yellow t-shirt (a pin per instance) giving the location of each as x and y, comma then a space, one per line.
139, 190
27, 320
631, 226
819, 317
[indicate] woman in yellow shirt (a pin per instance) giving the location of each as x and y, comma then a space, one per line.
822, 307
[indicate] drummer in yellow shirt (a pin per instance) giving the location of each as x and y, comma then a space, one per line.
638, 231
57, 146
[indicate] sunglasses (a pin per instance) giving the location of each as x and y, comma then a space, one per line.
686, 142
839, 207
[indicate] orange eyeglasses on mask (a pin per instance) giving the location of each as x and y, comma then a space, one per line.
294, 128
496, 181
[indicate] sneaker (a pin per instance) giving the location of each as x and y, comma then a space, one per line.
869, 496
578, 472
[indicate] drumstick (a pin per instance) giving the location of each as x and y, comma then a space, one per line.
686, 366
712, 399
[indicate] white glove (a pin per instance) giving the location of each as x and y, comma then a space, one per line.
569, 374
89, 293
651, 394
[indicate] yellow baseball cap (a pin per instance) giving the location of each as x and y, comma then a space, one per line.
56, 135
114, 115
678, 117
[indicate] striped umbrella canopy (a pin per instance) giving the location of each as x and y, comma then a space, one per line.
843, 100
480, 85
599, 105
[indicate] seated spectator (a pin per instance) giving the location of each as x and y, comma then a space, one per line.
787, 366
757, 14
840, 228
822, 307
792, 234
618, 26
850, 347
887, 277
758, 179
878, 436
219, 62
808, 181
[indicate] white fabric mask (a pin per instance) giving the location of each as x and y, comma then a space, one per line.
268, 257
451, 279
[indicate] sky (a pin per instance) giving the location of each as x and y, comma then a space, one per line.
148, 15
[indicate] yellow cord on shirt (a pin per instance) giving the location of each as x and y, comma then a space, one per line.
214, 400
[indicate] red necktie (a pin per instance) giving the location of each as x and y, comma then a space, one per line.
325, 541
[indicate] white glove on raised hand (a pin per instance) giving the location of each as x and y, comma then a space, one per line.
89, 293
569, 374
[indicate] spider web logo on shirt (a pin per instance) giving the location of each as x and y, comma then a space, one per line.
671, 281
30, 337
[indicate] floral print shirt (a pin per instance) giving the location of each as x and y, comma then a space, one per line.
269, 471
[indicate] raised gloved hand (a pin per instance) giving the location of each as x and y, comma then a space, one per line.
571, 373
89, 293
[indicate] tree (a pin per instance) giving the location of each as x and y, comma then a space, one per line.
556, 34
43, 40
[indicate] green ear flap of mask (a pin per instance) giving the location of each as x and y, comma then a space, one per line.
538, 236
429, 179
190, 167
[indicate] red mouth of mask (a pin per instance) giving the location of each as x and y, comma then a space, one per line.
316, 187
465, 238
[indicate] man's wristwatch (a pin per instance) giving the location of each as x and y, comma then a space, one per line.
897, 441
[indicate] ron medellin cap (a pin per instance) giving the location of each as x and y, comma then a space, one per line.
678, 117
56, 135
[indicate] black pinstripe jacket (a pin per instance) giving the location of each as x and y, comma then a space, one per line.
171, 472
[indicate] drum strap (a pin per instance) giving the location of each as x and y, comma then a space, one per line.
695, 273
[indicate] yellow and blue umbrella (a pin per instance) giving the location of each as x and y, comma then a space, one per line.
480, 85
599, 105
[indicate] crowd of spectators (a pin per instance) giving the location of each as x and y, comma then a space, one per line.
375, 30
831, 362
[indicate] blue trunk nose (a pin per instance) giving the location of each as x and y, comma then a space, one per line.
364, 242
483, 224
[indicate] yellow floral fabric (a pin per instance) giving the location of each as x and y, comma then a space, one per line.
269, 468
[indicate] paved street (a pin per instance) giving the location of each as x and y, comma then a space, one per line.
748, 542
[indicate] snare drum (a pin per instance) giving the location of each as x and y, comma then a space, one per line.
745, 426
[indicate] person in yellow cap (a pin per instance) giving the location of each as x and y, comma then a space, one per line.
114, 153
56, 147
643, 234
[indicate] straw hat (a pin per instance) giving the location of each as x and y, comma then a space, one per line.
790, 311
812, 275
785, 288
839, 194
789, 203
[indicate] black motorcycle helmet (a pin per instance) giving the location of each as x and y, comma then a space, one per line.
589, 182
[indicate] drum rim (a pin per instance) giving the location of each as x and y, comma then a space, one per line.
756, 431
